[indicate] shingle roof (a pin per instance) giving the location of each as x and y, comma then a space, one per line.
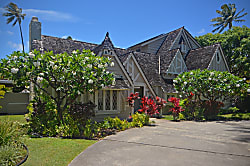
200, 57
166, 59
106, 44
60, 45
119, 84
166, 45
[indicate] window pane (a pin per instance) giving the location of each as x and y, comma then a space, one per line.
100, 103
107, 100
114, 100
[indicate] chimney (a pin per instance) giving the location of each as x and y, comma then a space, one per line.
34, 31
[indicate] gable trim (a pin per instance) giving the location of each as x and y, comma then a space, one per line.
224, 58
143, 75
192, 38
123, 69
143, 44
183, 62
175, 39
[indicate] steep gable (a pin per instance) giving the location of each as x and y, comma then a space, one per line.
177, 65
218, 61
200, 58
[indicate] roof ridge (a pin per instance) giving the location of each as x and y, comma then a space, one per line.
70, 40
215, 44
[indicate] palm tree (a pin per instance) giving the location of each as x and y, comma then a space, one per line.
14, 14
227, 16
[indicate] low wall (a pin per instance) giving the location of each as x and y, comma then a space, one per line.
14, 103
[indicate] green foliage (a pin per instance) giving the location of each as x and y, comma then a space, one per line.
227, 16
139, 120
235, 44
2, 92
68, 76
11, 150
211, 85
210, 89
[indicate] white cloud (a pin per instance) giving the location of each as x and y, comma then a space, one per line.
10, 33
201, 31
49, 15
16, 46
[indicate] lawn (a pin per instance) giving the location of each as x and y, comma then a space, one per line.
50, 151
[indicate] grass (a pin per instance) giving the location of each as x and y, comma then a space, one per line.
168, 117
236, 116
18, 118
50, 151
54, 151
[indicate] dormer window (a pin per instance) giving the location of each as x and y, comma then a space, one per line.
107, 52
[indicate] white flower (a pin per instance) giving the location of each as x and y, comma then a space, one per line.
113, 82
36, 64
89, 65
8, 62
191, 73
90, 81
106, 65
92, 53
41, 74
14, 70
175, 81
27, 87
55, 67
31, 55
102, 85
225, 80
209, 78
87, 58
91, 90
228, 86
74, 52
248, 90
180, 96
112, 64
51, 63
238, 85
185, 83
39, 79
240, 80
28, 73
212, 73
244, 79
74, 73
41, 49
100, 66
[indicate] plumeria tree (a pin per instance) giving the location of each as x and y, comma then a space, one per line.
211, 87
58, 79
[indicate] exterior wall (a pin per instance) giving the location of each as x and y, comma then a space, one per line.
14, 103
217, 63
177, 65
193, 45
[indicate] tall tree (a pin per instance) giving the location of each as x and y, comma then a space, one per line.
227, 16
14, 14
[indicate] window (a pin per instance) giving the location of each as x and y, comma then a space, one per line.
107, 100
217, 57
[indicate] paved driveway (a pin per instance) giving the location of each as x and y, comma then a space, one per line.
173, 144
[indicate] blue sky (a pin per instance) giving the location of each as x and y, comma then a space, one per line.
128, 22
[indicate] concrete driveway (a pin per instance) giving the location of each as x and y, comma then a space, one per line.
173, 144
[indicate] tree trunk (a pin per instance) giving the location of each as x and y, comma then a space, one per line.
21, 36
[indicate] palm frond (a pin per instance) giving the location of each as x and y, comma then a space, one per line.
7, 14
216, 29
14, 22
240, 16
10, 19
239, 20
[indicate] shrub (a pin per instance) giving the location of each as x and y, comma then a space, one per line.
11, 149
139, 120
211, 88
176, 108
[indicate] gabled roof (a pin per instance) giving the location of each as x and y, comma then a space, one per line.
106, 44
167, 44
166, 59
60, 45
200, 58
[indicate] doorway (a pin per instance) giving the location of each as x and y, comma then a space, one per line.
139, 90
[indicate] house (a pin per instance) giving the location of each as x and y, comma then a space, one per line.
147, 67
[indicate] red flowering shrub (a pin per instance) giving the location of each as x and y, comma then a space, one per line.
160, 102
176, 109
148, 106
131, 99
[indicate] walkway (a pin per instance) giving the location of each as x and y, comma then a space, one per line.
173, 144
